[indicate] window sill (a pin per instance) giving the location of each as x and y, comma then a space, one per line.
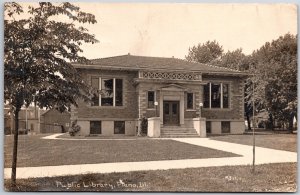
151, 109
191, 110
94, 135
108, 107
217, 109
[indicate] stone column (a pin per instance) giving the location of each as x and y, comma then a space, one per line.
161, 107
200, 126
154, 127
181, 109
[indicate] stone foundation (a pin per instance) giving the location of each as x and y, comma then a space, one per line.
107, 128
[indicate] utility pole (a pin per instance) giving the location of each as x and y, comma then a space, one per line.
26, 120
253, 120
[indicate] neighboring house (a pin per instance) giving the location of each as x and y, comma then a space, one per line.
134, 87
28, 119
53, 121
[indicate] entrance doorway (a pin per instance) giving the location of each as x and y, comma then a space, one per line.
171, 113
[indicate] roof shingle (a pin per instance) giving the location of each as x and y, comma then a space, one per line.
131, 62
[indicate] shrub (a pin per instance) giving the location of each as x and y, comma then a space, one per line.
144, 126
75, 128
7, 131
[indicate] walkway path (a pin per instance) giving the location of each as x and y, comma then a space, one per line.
263, 155
56, 136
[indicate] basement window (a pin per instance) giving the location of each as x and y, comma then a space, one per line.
225, 126
119, 127
95, 127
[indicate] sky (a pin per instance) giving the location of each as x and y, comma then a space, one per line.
169, 29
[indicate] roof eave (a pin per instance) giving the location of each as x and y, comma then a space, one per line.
98, 66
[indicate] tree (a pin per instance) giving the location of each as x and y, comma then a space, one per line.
235, 60
205, 53
275, 70
38, 53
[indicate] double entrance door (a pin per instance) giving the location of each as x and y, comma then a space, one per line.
171, 113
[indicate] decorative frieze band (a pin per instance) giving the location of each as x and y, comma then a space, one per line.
170, 75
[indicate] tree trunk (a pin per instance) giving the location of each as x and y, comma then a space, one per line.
15, 149
291, 123
12, 124
248, 122
271, 121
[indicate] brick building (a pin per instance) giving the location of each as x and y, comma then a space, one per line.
53, 121
175, 92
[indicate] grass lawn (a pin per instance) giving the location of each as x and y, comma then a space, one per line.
33, 151
286, 142
267, 178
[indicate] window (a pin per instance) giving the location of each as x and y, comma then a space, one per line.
225, 126
119, 92
167, 109
95, 127
151, 99
206, 96
190, 101
95, 85
208, 126
216, 95
111, 92
119, 127
225, 96
107, 89
174, 108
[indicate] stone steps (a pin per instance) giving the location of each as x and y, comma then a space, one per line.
175, 131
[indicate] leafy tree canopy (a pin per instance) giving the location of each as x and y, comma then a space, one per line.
235, 60
38, 52
274, 67
205, 53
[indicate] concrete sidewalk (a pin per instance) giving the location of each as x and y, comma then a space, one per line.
263, 156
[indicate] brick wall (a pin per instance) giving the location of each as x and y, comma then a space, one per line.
137, 95
129, 109
236, 94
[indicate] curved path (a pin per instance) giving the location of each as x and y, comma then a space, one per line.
263, 156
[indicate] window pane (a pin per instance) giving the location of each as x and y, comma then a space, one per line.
150, 99
215, 95
119, 92
225, 95
95, 127
206, 96
107, 92
119, 127
174, 108
166, 108
95, 85
225, 126
190, 101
